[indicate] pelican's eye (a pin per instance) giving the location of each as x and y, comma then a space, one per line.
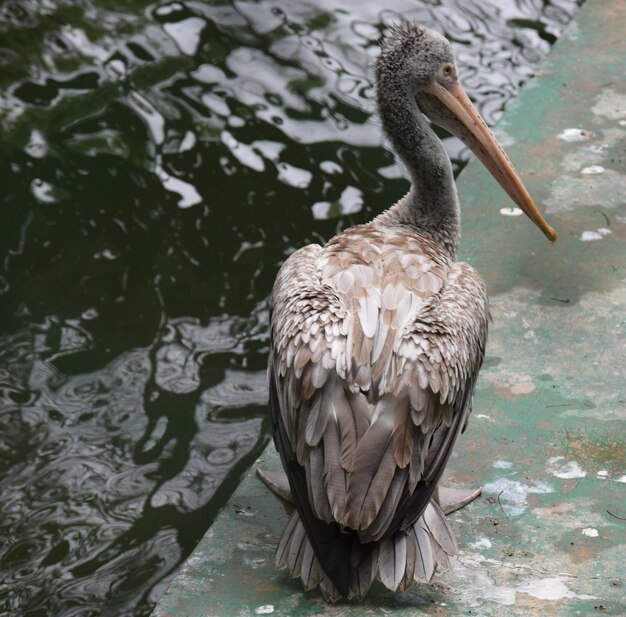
448, 70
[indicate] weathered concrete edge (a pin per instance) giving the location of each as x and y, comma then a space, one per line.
197, 589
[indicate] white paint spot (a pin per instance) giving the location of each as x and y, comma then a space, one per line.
266, 609
502, 464
552, 588
474, 583
513, 495
603, 473
589, 236
482, 415
255, 563
596, 148
592, 170
590, 532
608, 189
611, 104
481, 543
558, 468
186, 34
621, 479
511, 211
575, 135
622, 122
294, 176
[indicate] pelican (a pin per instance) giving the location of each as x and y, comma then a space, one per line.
376, 343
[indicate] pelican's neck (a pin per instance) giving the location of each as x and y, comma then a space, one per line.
431, 205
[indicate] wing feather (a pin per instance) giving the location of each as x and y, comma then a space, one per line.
362, 412
377, 529
318, 496
403, 434
374, 468
377, 339
342, 413
317, 421
334, 476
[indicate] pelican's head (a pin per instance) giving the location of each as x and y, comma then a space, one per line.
422, 62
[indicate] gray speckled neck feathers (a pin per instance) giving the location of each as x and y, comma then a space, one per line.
431, 206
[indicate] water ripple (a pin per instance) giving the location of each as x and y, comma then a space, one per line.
159, 161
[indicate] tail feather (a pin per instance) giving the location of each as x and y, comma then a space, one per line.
311, 573
439, 529
411, 554
392, 560
364, 570
425, 563
282, 551
443, 559
329, 591
296, 550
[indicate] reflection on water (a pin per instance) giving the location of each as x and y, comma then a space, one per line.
113, 470
159, 161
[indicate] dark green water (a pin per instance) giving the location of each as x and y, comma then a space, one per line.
158, 161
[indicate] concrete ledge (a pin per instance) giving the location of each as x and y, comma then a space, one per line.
546, 437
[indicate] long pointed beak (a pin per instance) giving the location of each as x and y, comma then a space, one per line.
472, 130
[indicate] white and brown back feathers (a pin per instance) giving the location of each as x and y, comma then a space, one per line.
377, 339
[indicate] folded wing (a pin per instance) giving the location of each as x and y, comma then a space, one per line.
376, 343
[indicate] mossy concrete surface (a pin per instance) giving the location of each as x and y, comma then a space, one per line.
546, 440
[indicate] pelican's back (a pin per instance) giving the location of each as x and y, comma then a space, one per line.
376, 342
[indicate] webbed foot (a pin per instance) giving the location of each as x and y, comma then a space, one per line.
453, 499
277, 482
450, 499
